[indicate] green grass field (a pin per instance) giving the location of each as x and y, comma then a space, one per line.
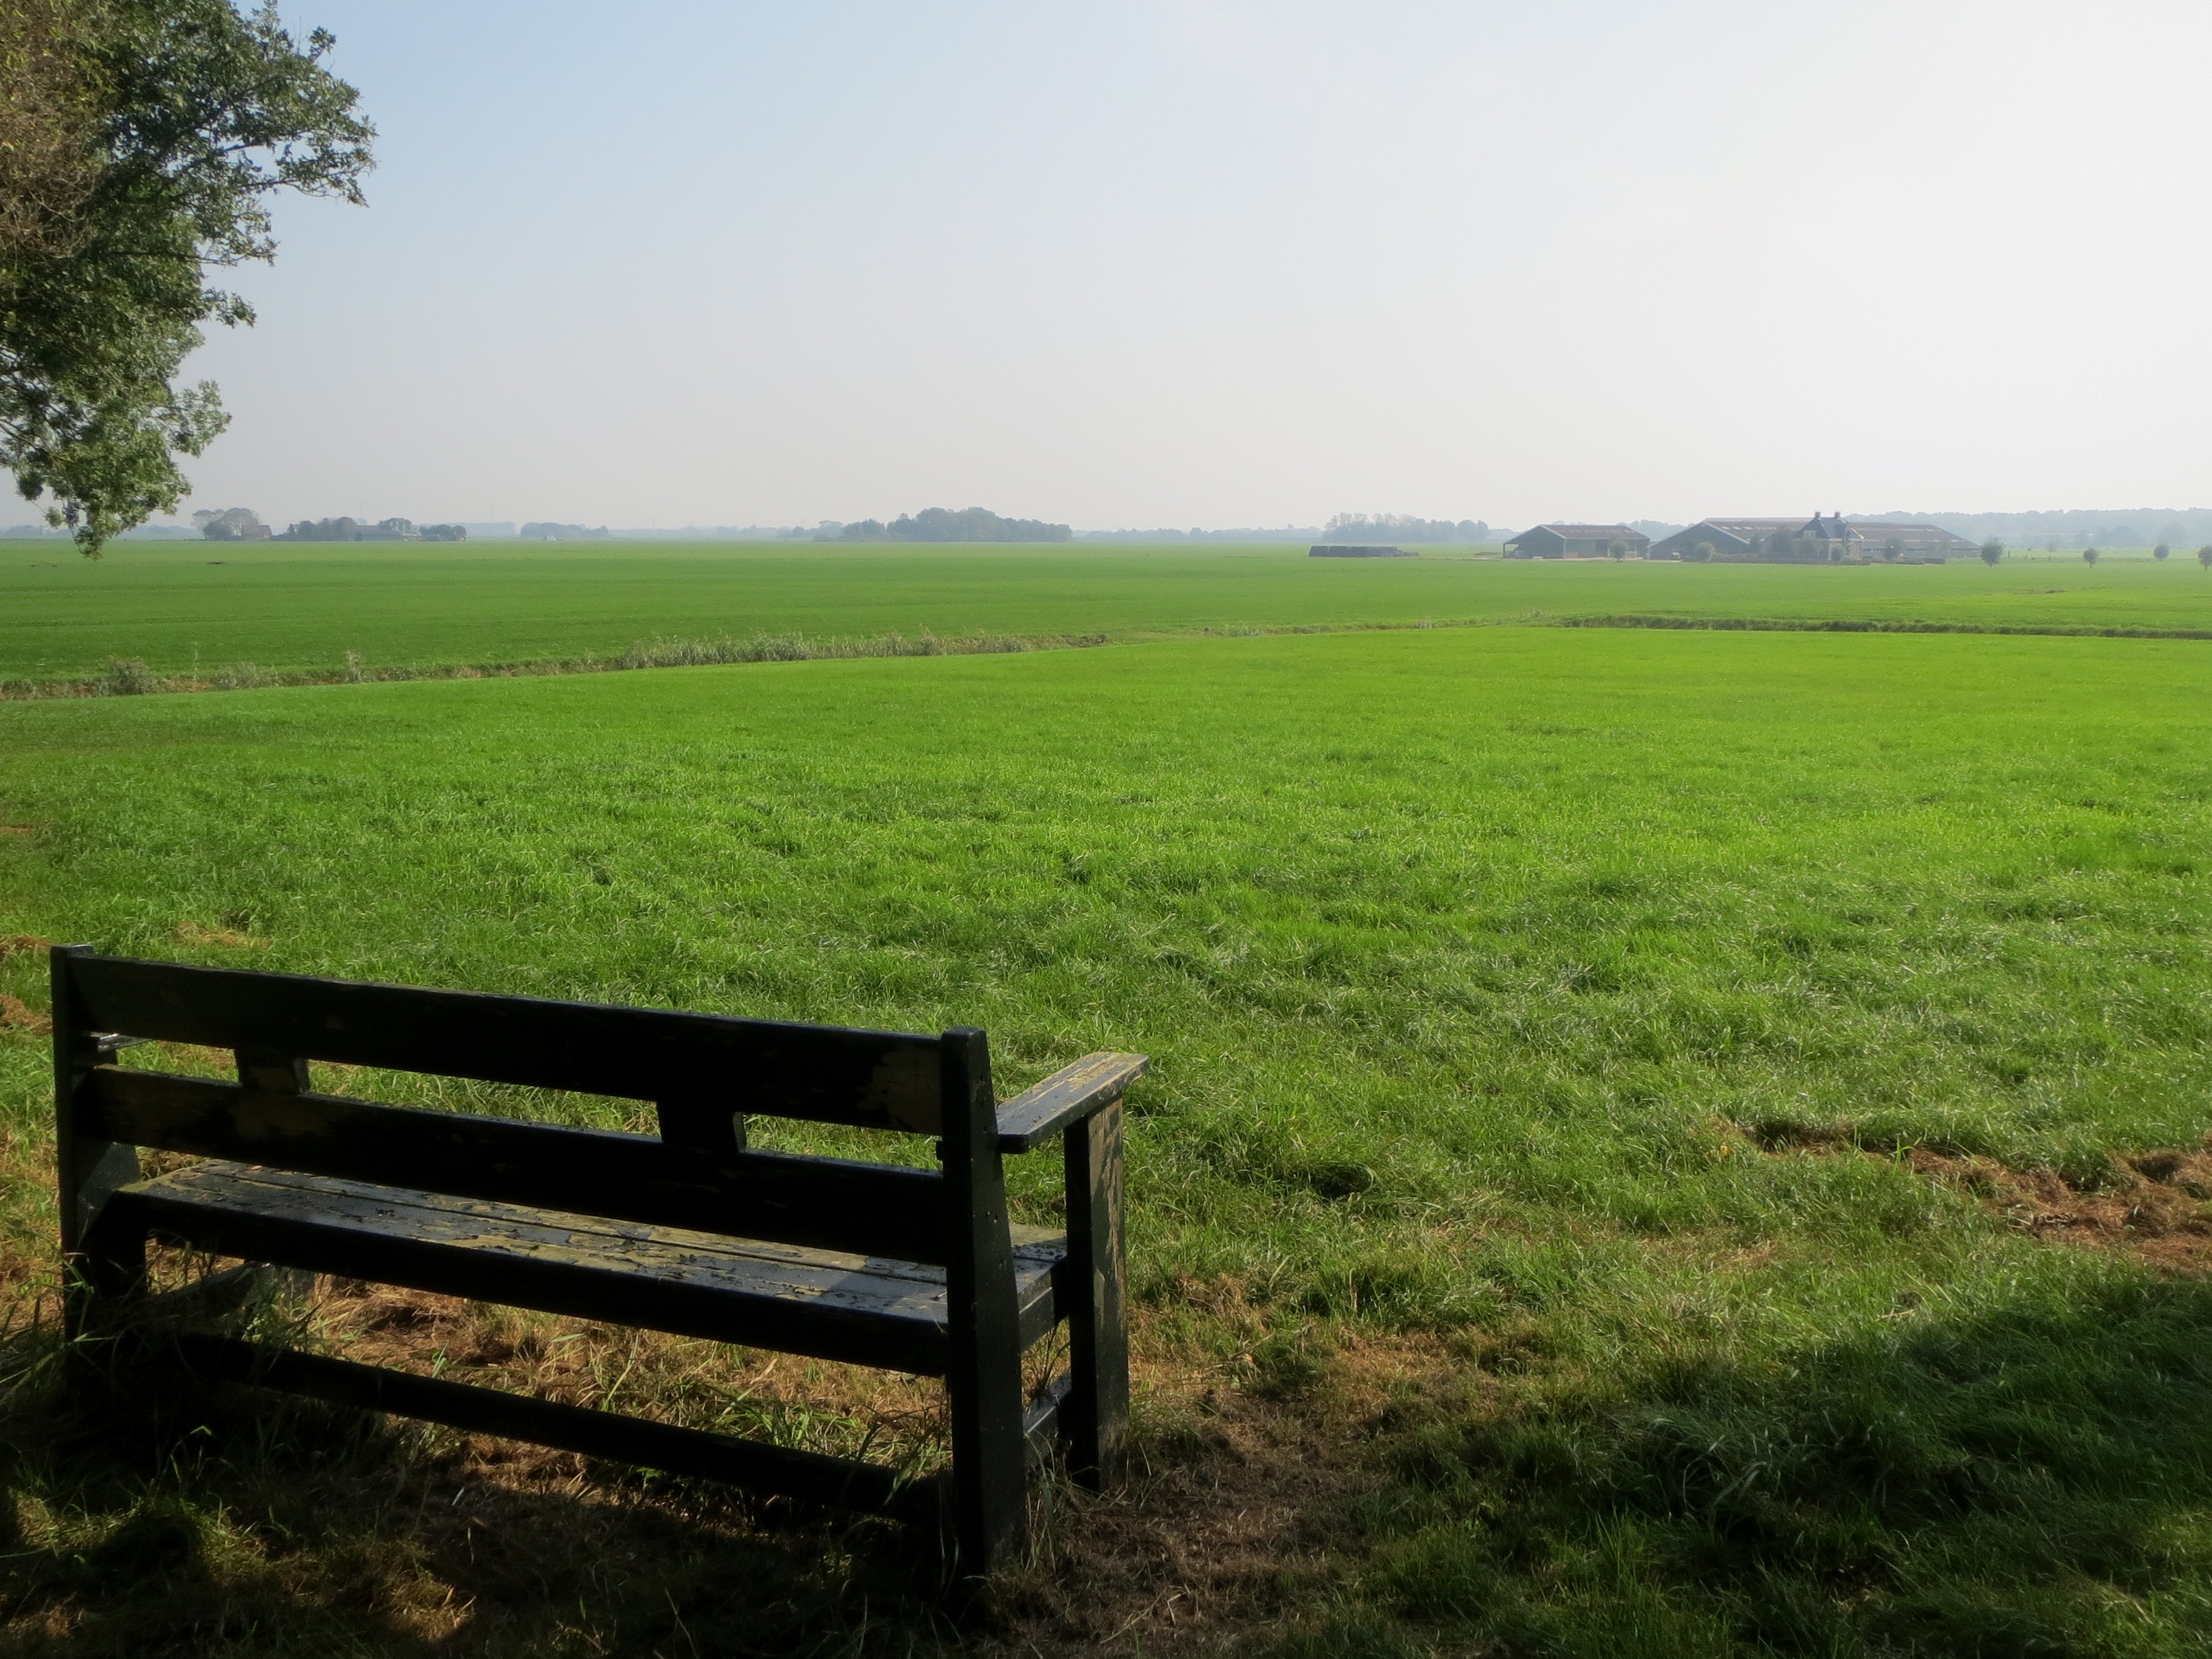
183, 606
1643, 1156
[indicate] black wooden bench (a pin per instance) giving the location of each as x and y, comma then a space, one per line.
687, 1231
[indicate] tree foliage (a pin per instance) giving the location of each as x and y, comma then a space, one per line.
937, 524
141, 140
230, 524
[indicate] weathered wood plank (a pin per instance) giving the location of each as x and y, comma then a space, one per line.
829, 1305
781, 1471
1042, 1430
827, 1074
875, 1209
274, 1073
1037, 1114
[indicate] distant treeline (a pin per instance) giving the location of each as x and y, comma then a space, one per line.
353, 530
2144, 527
563, 532
1362, 528
1289, 532
936, 524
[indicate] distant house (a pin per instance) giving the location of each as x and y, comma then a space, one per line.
1578, 541
1817, 540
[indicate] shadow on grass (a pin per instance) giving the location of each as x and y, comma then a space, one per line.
239, 1522
2034, 1479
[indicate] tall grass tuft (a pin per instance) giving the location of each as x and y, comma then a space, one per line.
127, 676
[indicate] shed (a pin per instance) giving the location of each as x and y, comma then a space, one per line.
1578, 541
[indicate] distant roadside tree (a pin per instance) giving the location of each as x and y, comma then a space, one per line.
233, 523
1992, 551
139, 140
2204, 557
1894, 548
2088, 556
2161, 552
1617, 549
1698, 554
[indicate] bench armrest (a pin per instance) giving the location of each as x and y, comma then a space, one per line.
1068, 1096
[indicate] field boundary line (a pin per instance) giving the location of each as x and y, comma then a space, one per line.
1882, 625
127, 676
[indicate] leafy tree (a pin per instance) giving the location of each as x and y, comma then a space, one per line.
232, 524
2161, 552
1617, 549
972, 523
1894, 548
2204, 558
139, 142
1992, 551
1699, 554
2088, 556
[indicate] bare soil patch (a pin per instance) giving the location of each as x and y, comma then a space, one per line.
2155, 1205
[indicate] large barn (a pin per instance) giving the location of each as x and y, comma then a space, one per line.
1578, 541
1817, 540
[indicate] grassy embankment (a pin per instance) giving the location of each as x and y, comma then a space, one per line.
1618, 1097
294, 609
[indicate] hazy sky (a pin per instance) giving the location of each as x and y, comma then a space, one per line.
1240, 263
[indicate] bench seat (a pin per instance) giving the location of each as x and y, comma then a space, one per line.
824, 1304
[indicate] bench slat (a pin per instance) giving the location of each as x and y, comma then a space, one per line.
831, 1305
874, 1209
821, 1073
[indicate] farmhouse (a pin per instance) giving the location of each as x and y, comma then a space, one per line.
1578, 541
1817, 540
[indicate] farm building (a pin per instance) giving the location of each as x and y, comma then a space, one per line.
1578, 541
1817, 540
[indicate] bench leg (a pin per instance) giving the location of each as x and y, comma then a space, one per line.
1095, 1418
983, 1375
100, 1279
101, 1261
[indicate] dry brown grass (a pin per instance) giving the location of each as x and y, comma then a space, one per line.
2154, 1205
16, 1015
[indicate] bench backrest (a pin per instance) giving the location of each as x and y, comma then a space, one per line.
704, 1073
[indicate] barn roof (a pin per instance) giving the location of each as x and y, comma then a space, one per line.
1934, 532
1749, 527
1580, 532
